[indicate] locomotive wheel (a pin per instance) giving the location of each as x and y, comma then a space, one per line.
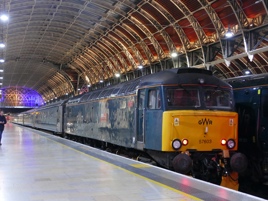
239, 162
182, 163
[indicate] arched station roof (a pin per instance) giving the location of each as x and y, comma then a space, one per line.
58, 46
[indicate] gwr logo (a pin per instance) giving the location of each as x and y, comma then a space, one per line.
205, 122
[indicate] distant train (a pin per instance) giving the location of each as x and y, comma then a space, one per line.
251, 97
182, 118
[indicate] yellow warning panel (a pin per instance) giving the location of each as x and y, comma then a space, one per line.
140, 165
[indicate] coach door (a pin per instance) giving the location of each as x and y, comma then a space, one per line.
140, 117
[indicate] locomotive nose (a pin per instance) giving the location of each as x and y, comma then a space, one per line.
239, 162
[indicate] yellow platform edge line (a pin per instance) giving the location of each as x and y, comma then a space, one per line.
137, 165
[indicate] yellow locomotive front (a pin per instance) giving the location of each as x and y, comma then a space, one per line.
189, 130
201, 126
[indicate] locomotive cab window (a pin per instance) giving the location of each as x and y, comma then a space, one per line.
154, 99
217, 98
183, 97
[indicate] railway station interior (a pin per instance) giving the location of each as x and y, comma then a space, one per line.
71, 68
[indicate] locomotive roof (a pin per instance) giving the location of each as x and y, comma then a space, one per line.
175, 76
182, 76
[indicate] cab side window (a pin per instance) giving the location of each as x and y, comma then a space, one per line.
154, 99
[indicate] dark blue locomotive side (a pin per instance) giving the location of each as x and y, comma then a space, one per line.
251, 98
106, 120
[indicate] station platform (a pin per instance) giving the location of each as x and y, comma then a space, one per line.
36, 166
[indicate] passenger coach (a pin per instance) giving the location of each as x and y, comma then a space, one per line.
251, 97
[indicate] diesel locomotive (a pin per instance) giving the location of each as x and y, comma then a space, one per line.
251, 97
182, 118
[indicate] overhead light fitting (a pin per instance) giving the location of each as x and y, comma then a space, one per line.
174, 54
247, 72
140, 67
2, 60
2, 45
4, 17
117, 74
229, 33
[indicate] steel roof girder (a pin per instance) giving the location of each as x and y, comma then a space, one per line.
131, 45
142, 44
197, 28
111, 46
238, 12
241, 18
173, 22
161, 31
195, 57
126, 52
217, 23
156, 45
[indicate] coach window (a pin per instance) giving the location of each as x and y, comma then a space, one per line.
154, 100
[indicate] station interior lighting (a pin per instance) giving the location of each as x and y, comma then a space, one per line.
4, 17
140, 66
229, 33
117, 74
247, 72
174, 54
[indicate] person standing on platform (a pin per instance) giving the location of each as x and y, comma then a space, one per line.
3, 121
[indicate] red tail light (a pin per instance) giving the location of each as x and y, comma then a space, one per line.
184, 142
223, 142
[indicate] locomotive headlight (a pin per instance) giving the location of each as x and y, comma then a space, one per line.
176, 144
201, 80
230, 144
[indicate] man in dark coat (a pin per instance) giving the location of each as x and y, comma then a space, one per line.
3, 121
